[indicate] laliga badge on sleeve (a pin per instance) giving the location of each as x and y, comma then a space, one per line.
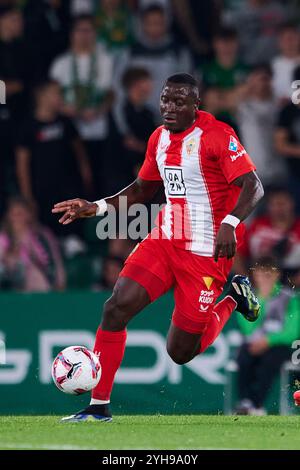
233, 144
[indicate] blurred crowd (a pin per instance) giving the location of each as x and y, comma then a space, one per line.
83, 79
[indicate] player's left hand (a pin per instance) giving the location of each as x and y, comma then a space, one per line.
225, 242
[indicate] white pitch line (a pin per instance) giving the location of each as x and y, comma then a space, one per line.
26, 445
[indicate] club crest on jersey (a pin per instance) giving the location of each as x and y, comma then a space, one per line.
190, 146
233, 144
164, 146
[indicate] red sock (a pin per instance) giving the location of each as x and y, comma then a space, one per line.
221, 313
111, 346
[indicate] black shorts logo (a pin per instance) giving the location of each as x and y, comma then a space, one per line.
175, 182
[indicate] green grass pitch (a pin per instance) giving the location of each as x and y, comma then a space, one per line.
152, 432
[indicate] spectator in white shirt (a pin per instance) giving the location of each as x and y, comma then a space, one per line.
256, 117
284, 64
156, 51
85, 74
257, 23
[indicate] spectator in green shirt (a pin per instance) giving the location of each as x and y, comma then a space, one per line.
225, 72
113, 22
267, 341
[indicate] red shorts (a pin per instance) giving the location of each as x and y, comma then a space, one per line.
158, 265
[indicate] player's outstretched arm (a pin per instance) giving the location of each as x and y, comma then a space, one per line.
251, 193
74, 209
140, 191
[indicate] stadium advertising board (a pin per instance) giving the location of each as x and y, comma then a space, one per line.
35, 327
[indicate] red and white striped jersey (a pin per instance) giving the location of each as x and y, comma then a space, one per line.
197, 167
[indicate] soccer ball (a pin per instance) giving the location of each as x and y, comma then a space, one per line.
76, 370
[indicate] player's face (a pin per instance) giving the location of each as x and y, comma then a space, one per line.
178, 107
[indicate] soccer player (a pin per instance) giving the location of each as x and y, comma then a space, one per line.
211, 187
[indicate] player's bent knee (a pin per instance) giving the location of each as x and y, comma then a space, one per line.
128, 298
117, 312
179, 357
113, 318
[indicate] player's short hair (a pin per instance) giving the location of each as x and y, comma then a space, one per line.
185, 79
134, 74
226, 34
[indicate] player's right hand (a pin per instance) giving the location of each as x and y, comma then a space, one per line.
74, 209
225, 245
